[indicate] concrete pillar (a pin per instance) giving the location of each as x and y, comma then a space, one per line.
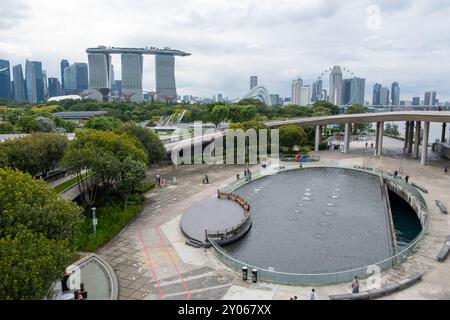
349, 136
346, 137
405, 146
380, 139
426, 130
410, 136
417, 140
317, 142
444, 125
377, 138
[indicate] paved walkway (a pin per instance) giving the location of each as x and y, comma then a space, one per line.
152, 261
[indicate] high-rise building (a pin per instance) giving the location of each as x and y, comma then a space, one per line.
5, 80
274, 98
165, 77
317, 91
297, 84
76, 78
253, 82
324, 95
384, 96
44, 78
34, 80
305, 95
99, 71
395, 94
353, 91
111, 76
335, 92
219, 97
132, 69
54, 87
20, 88
430, 98
63, 65
416, 101
376, 96
346, 96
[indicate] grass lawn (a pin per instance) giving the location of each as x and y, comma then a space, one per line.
65, 185
111, 218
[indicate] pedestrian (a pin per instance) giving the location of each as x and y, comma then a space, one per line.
249, 174
158, 180
371, 145
355, 285
205, 179
312, 294
295, 298
406, 178
446, 170
367, 144
395, 174
83, 292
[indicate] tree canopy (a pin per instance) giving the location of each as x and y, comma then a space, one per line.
37, 235
291, 135
108, 156
37, 153
150, 141
103, 123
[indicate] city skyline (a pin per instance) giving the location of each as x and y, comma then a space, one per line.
383, 54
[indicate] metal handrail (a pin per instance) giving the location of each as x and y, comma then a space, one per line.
286, 277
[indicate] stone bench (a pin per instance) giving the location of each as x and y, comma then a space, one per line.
441, 206
379, 292
443, 253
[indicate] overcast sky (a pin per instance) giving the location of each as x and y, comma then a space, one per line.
382, 41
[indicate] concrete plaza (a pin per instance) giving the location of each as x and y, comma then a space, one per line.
152, 261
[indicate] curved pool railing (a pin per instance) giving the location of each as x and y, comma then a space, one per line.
337, 276
317, 278
234, 232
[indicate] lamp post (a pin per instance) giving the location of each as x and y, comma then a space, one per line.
94, 220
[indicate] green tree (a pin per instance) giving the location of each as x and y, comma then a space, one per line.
334, 109
355, 108
37, 153
291, 135
37, 235
48, 125
219, 113
132, 173
103, 123
6, 127
30, 264
29, 124
3, 158
321, 111
106, 155
150, 141
249, 101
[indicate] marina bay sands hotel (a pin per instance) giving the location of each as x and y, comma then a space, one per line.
100, 71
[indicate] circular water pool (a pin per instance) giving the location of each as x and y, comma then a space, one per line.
315, 220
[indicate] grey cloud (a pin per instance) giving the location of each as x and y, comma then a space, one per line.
12, 12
